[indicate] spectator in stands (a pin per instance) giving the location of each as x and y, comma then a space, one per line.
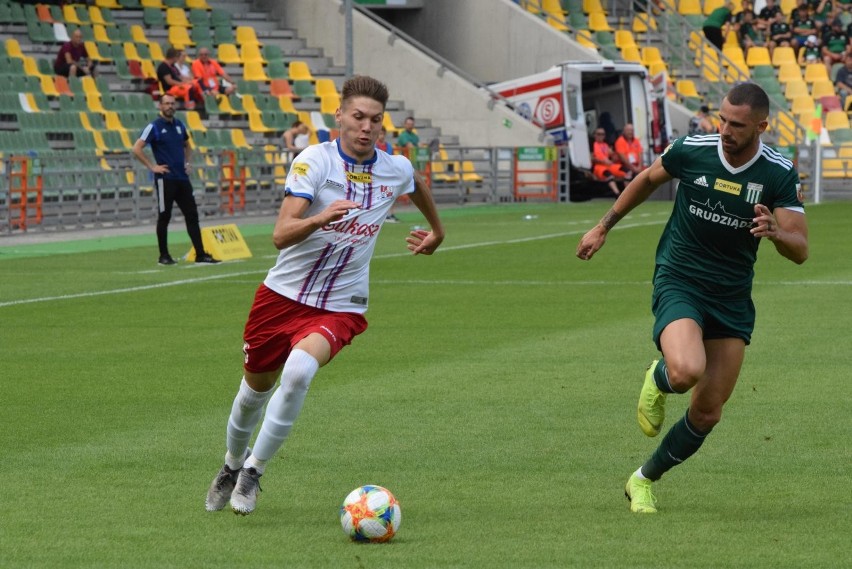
606, 167
834, 43
73, 59
823, 12
766, 16
717, 24
173, 84
383, 144
802, 25
780, 33
629, 152
408, 139
296, 138
210, 75
701, 123
843, 81
312, 302
810, 52
169, 140
749, 34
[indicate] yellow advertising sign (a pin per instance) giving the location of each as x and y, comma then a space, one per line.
224, 242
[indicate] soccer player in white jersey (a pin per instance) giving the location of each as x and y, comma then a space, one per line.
313, 300
734, 192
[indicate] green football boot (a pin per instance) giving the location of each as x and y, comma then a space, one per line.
638, 491
652, 405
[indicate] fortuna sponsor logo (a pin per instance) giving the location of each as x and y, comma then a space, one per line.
702, 181
352, 227
753, 192
360, 177
720, 218
299, 168
728, 187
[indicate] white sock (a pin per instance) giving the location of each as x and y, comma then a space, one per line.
639, 474
245, 414
284, 407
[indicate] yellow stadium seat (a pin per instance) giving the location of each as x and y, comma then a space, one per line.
152, 4
787, 6
286, 104
803, 104
598, 22
256, 122
113, 121
326, 87
251, 52
822, 88
631, 53
387, 122
245, 34
710, 5
758, 55
656, 67
227, 54
833, 168
100, 33
554, 15
590, 6
198, 5
93, 102
783, 54
177, 17
194, 122
249, 104
789, 72
299, 71
651, 54
13, 48
225, 105
686, 88
584, 38
689, 8
69, 15
111, 4
148, 69
795, 89
31, 67
157, 52
130, 51
137, 32
836, 119
253, 71
238, 137
624, 38
816, 72
469, 173
329, 104
48, 87
642, 23
179, 37
94, 52
89, 86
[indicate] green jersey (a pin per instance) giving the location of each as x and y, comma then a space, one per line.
707, 243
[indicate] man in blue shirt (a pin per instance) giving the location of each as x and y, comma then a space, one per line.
169, 142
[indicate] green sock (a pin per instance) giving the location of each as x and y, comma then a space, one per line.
682, 441
661, 377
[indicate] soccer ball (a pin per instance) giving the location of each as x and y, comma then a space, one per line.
370, 513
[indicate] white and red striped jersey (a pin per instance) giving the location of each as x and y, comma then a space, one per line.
331, 268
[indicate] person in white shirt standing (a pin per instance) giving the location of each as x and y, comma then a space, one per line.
312, 302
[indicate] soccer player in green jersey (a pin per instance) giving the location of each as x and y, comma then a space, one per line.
734, 192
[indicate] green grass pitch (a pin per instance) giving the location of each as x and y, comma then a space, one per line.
494, 393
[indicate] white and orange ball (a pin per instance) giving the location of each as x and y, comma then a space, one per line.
370, 513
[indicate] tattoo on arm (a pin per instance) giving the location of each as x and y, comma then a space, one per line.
610, 219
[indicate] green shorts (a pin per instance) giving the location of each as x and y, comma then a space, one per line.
718, 318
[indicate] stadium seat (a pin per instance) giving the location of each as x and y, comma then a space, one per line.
710, 5
790, 72
816, 72
246, 34
285, 104
650, 55
598, 22
177, 17
689, 8
253, 71
256, 123
624, 38
631, 53
251, 52
836, 119
227, 54
299, 71
822, 88
758, 55
280, 88
833, 168
198, 5
793, 89
329, 104
584, 38
783, 54
642, 23
238, 139
179, 37
686, 88
803, 104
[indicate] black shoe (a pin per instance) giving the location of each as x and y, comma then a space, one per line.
206, 258
167, 260
391, 219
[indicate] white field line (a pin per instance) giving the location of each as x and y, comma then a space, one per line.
394, 255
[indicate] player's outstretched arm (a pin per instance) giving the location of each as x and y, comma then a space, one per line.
291, 227
421, 242
636, 192
787, 229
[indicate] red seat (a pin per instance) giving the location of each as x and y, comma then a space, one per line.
135, 68
830, 103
